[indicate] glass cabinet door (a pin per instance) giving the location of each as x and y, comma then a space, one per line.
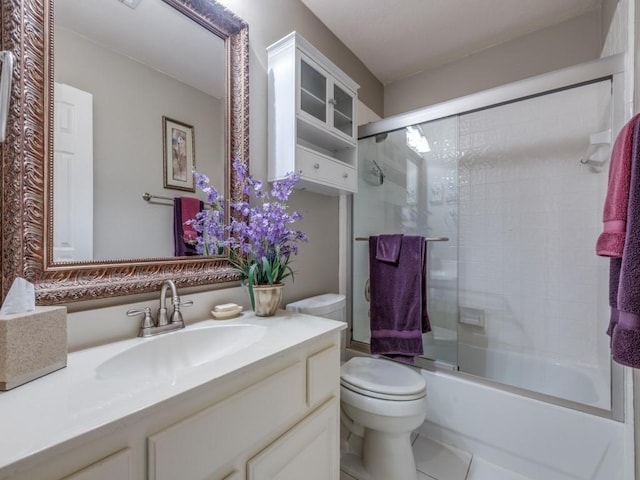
342, 111
313, 92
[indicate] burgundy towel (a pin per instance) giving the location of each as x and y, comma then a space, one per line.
182, 247
190, 208
625, 318
611, 240
388, 249
398, 310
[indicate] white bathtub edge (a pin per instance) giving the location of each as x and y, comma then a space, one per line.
534, 438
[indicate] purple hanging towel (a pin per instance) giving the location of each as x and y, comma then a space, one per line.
398, 309
625, 276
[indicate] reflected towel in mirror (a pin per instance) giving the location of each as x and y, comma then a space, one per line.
184, 236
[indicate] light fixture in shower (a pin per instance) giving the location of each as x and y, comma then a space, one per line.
131, 3
416, 140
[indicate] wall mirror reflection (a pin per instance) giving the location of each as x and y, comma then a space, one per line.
167, 69
139, 98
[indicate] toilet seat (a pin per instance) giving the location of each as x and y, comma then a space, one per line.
382, 379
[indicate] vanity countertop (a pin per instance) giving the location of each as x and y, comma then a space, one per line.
74, 401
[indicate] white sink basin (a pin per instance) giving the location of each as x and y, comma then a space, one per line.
167, 353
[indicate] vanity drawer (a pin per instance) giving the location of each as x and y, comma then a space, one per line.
117, 466
323, 375
324, 169
197, 447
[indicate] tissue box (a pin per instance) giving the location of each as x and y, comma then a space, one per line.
31, 345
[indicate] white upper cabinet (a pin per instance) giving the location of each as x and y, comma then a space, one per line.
324, 105
312, 118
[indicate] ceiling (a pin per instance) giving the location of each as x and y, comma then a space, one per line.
141, 34
430, 33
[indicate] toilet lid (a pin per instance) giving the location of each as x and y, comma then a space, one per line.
364, 374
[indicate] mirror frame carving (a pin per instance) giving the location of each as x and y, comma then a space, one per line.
26, 233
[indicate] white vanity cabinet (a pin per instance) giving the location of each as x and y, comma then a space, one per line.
306, 451
276, 415
312, 118
277, 418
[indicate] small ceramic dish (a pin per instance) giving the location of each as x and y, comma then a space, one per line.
227, 313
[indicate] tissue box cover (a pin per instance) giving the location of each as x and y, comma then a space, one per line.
31, 345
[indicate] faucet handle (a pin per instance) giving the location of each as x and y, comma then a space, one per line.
176, 316
147, 321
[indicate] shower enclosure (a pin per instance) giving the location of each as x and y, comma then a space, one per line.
508, 185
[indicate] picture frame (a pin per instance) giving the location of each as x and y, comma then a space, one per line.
178, 149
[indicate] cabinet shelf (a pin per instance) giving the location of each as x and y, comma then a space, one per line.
341, 115
311, 96
307, 130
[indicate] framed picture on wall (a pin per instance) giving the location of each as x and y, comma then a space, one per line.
178, 155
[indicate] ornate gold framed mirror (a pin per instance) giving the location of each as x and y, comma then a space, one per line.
27, 222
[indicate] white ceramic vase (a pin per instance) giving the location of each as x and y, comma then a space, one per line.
267, 299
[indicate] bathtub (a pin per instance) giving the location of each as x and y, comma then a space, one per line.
537, 439
578, 384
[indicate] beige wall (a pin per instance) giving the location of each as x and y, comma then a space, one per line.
120, 213
270, 20
568, 43
606, 16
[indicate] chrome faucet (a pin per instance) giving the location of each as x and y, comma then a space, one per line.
149, 326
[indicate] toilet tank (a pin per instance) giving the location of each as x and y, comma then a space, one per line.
328, 305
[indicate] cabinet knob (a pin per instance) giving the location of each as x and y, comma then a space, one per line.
345, 175
316, 166
332, 102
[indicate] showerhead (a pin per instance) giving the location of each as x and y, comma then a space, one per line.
374, 176
381, 137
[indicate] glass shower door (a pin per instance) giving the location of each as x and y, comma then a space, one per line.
408, 183
517, 294
533, 301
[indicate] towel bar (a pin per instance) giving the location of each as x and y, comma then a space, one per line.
146, 196
427, 239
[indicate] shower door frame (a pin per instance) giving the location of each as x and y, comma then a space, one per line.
609, 68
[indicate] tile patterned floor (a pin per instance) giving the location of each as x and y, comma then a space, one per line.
441, 462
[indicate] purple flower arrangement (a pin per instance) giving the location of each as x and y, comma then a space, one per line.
260, 238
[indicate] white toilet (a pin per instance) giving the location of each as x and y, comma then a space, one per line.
382, 402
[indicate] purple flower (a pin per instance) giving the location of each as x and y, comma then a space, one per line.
259, 236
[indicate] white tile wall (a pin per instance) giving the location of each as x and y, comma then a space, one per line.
530, 215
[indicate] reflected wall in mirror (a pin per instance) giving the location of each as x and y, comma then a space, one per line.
118, 71
199, 78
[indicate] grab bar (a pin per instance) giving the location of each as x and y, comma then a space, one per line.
5, 90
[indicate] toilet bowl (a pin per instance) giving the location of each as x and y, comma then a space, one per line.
381, 401
384, 402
